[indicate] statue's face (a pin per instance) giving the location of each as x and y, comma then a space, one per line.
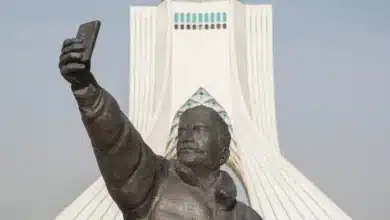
199, 138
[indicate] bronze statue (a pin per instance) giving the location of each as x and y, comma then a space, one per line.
145, 185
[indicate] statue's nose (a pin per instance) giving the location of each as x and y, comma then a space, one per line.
188, 136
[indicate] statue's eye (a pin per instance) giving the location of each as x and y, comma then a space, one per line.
181, 131
199, 128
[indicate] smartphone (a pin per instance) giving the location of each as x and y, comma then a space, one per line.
88, 32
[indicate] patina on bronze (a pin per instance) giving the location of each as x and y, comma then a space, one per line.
145, 185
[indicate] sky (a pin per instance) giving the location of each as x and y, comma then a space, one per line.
331, 74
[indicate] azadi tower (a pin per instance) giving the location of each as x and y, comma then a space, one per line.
216, 53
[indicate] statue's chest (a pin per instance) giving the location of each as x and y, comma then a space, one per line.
179, 201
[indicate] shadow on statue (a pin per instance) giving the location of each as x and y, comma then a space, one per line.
145, 185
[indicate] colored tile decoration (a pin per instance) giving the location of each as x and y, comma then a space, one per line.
207, 20
206, 17
194, 18
200, 17
212, 17
176, 17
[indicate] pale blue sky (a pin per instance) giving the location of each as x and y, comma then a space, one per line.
332, 72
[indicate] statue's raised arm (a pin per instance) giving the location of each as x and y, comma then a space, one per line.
125, 161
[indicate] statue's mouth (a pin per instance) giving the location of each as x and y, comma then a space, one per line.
189, 148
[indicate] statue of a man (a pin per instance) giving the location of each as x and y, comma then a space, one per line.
143, 184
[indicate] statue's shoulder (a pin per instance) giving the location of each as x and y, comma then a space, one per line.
243, 211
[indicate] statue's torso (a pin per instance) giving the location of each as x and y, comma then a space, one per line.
176, 200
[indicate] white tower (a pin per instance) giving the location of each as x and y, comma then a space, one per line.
219, 54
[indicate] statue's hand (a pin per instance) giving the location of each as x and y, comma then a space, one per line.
72, 67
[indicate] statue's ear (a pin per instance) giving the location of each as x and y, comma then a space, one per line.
224, 156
